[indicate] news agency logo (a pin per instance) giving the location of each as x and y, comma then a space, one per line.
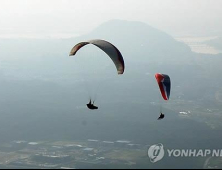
156, 153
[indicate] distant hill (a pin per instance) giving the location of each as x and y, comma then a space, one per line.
139, 41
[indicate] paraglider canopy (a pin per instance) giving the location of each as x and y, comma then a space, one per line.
164, 83
108, 48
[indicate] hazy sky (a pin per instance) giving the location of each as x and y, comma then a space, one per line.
64, 18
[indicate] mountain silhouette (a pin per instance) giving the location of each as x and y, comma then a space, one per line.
139, 41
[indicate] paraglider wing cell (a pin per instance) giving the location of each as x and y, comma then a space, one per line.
164, 85
108, 48
77, 47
